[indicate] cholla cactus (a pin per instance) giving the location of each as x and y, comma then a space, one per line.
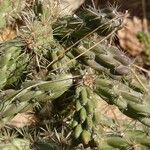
32, 92
85, 120
130, 102
55, 66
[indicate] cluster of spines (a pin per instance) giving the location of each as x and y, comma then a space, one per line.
10, 11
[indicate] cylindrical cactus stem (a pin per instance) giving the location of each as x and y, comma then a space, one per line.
104, 20
111, 61
137, 82
84, 123
70, 26
118, 142
86, 21
13, 62
132, 103
40, 41
57, 58
103, 58
125, 136
121, 134
32, 92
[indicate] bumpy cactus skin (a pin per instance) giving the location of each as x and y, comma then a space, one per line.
132, 103
13, 62
104, 22
103, 58
125, 136
33, 92
84, 122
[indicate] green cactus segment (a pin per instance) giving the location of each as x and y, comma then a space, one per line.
130, 139
37, 28
57, 58
121, 135
103, 58
13, 62
111, 61
33, 92
55, 53
134, 83
130, 102
86, 21
84, 123
69, 26
15, 144
86, 136
78, 130
104, 20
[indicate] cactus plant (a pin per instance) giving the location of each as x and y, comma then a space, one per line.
32, 92
55, 68
84, 122
130, 102
14, 61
